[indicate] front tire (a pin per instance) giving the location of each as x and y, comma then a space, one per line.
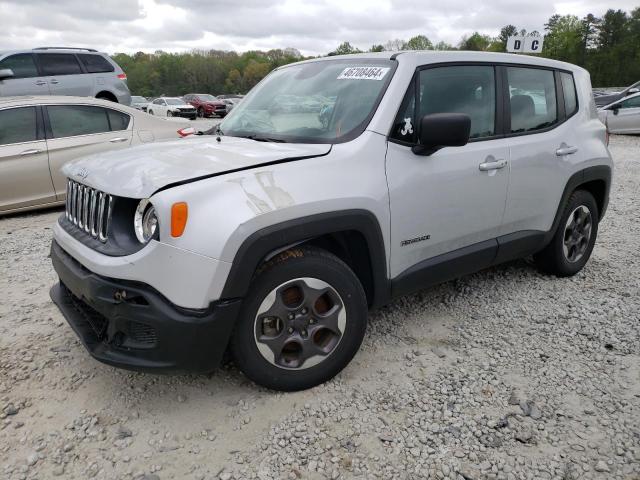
302, 322
575, 237
201, 112
169, 113
150, 112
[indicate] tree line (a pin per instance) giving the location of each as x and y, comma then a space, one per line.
608, 47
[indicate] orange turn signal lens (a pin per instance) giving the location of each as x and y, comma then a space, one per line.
179, 215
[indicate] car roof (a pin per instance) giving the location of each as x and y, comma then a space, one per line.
59, 100
425, 57
52, 50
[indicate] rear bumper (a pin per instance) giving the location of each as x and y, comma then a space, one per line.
140, 330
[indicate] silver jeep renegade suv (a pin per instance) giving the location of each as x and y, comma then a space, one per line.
336, 185
80, 72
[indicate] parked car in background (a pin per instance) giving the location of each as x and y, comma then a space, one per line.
274, 237
139, 103
39, 134
606, 98
171, 107
622, 116
230, 95
83, 72
207, 105
231, 102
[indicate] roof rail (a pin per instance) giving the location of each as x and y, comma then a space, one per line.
66, 48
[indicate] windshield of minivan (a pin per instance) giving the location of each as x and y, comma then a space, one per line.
317, 102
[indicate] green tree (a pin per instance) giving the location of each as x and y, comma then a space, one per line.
476, 41
419, 42
563, 40
345, 48
376, 48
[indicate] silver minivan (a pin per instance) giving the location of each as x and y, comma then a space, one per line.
81, 72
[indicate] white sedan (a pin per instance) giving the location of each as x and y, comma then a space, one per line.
622, 116
172, 107
39, 134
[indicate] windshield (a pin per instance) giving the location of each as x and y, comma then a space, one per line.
174, 101
138, 99
318, 102
207, 98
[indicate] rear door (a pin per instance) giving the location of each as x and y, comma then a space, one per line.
24, 168
627, 118
544, 143
25, 80
78, 130
64, 74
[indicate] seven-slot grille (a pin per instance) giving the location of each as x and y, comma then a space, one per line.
89, 209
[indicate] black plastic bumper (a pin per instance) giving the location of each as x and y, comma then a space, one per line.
130, 325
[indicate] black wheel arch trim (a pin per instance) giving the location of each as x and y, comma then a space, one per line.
589, 174
262, 244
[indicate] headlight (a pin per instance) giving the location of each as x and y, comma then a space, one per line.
145, 221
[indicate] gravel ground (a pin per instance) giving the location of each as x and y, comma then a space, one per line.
506, 374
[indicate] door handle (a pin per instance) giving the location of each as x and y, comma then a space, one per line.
566, 150
41, 82
118, 140
495, 165
54, 81
31, 151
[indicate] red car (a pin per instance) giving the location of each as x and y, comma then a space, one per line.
206, 105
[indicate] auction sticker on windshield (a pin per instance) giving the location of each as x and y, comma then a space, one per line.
363, 73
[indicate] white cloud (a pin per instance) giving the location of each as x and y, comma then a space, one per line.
314, 27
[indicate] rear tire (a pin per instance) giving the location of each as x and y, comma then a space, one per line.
575, 237
302, 322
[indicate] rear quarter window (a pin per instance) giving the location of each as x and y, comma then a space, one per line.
95, 63
569, 93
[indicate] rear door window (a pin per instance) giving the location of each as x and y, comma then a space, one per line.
74, 120
18, 125
532, 95
58, 64
95, 63
22, 64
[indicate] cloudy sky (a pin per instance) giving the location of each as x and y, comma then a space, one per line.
313, 27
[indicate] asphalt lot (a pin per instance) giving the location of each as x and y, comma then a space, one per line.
505, 374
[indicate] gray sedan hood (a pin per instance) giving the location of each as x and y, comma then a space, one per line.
140, 171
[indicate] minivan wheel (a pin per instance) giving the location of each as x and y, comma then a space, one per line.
574, 239
302, 322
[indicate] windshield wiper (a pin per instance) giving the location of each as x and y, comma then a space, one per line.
259, 138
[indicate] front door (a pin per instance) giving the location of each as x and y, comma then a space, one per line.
25, 80
452, 201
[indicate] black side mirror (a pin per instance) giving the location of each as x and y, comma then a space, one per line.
615, 108
439, 130
6, 73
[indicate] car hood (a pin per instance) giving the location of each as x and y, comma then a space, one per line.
140, 171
